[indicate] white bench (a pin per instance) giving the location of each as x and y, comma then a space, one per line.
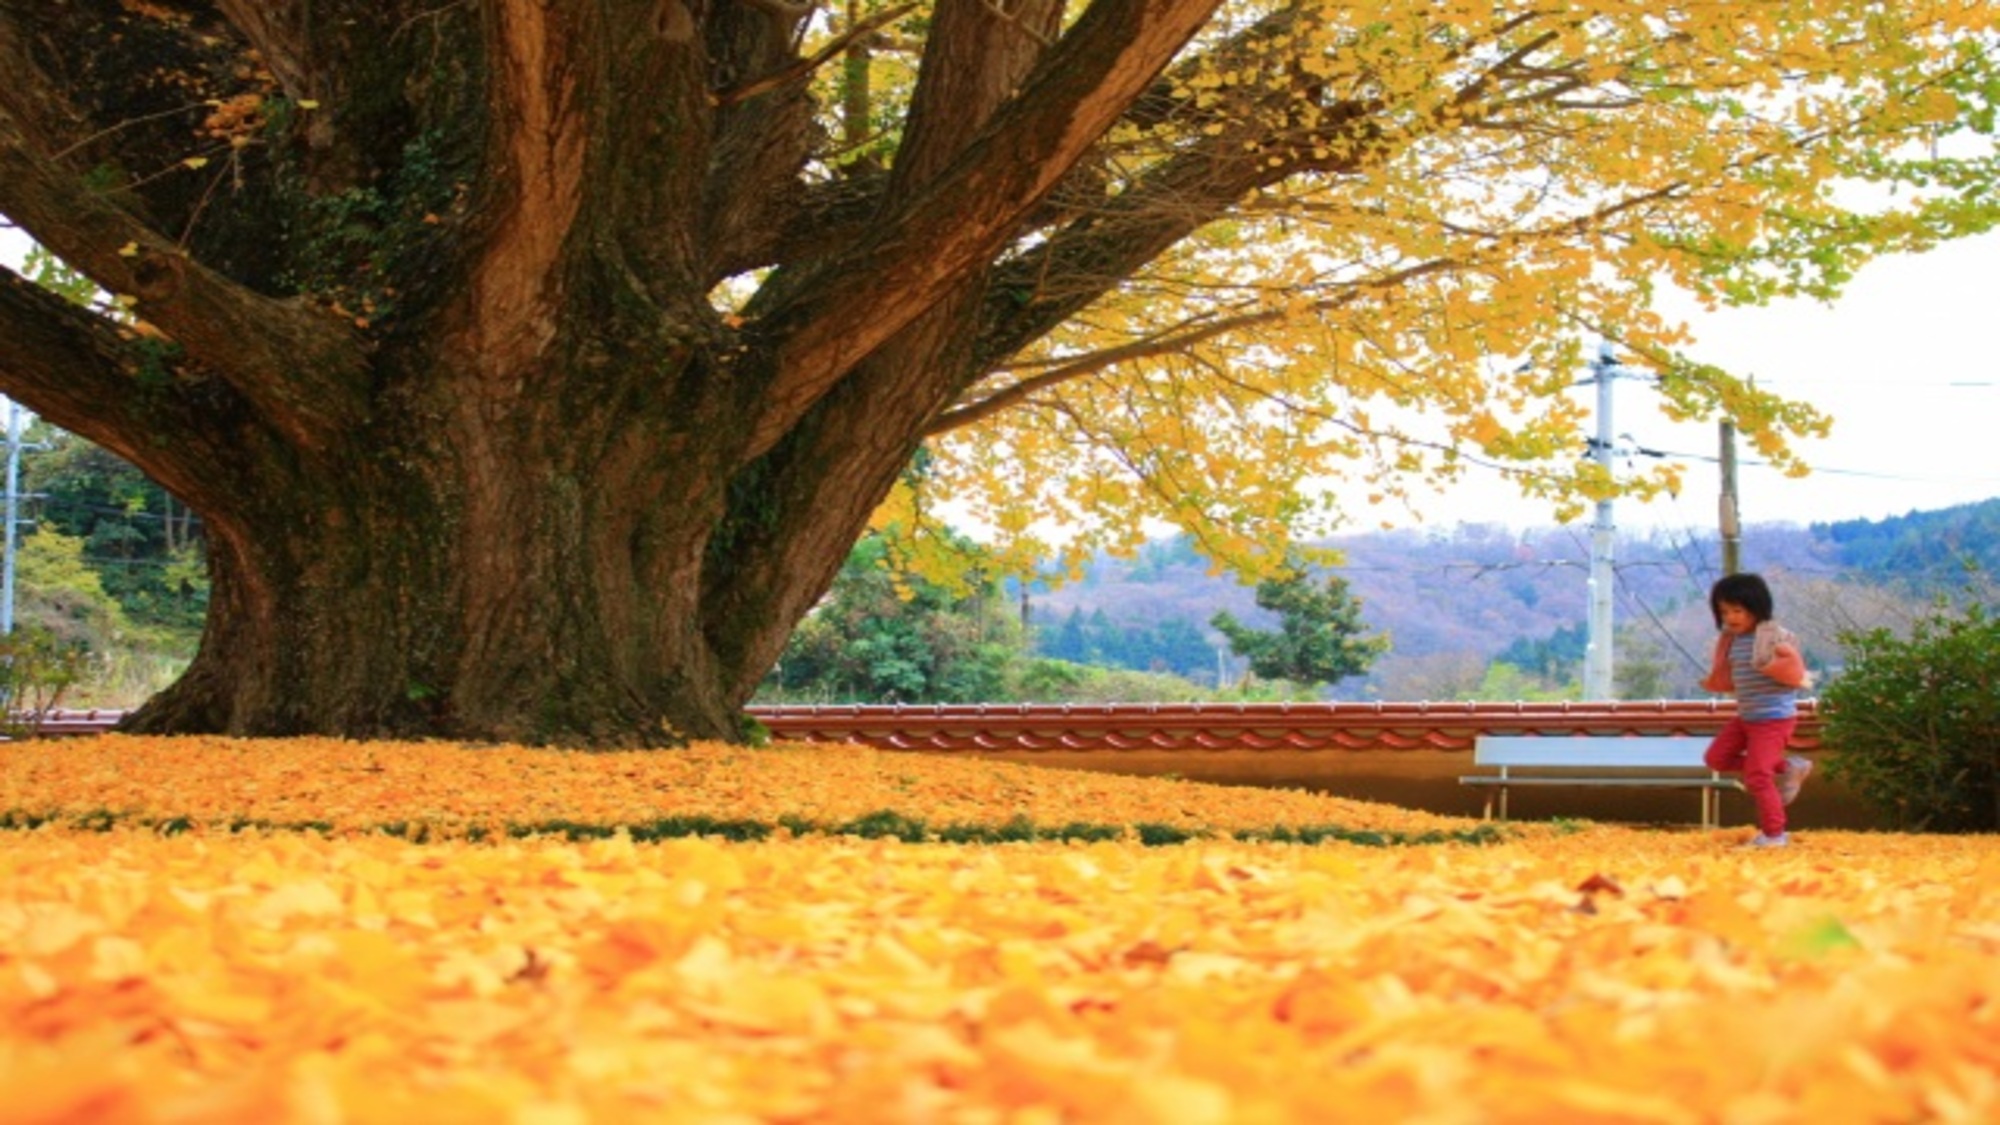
1633, 761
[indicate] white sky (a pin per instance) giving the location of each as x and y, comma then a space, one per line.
1905, 362
1906, 365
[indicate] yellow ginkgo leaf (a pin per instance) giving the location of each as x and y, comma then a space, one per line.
247, 974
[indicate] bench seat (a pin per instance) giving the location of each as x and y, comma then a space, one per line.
1627, 761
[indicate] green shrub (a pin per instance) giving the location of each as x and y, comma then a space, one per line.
36, 668
58, 593
1914, 722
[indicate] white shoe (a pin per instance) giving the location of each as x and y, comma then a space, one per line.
1781, 840
1797, 769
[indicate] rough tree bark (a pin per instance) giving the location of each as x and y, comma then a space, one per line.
425, 336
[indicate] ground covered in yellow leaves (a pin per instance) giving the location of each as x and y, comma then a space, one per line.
186, 972
446, 790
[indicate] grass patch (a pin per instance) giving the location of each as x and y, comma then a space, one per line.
883, 824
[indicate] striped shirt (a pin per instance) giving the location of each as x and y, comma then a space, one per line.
1759, 698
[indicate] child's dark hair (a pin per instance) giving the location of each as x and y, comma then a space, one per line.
1747, 590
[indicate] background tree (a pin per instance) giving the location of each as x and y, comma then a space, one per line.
1163, 644
1503, 683
1948, 553
1554, 660
1437, 675
1643, 669
115, 571
533, 367
1069, 641
885, 635
62, 595
1321, 638
145, 547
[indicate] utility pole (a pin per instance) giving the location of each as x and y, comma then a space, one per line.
13, 515
1732, 530
1597, 657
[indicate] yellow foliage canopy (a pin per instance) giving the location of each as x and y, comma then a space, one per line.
1449, 201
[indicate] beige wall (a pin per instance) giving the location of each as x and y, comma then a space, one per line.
1428, 779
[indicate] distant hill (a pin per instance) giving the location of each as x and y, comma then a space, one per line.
1923, 548
1454, 600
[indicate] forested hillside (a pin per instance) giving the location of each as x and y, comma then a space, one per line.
1920, 548
1456, 602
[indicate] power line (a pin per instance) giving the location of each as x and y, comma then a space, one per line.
126, 513
108, 560
1634, 597
1713, 459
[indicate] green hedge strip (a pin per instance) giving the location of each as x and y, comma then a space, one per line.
879, 825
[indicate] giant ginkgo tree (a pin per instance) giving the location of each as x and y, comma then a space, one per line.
533, 366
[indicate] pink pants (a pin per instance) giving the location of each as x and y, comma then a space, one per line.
1757, 749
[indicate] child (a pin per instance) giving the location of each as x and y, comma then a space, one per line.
1758, 661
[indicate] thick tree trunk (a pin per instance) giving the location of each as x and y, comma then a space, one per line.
363, 622
435, 346
527, 571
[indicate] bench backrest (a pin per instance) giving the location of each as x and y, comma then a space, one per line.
1591, 751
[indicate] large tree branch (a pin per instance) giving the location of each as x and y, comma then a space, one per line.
1103, 246
1492, 243
748, 147
813, 221
137, 99
926, 246
42, 114
801, 69
278, 30
121, 390
538, 101
1080, 263
302, 48
974, 59
602, 129
300, 368
1178, 338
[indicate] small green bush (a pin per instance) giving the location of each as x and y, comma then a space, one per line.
36, 668
1914, 722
